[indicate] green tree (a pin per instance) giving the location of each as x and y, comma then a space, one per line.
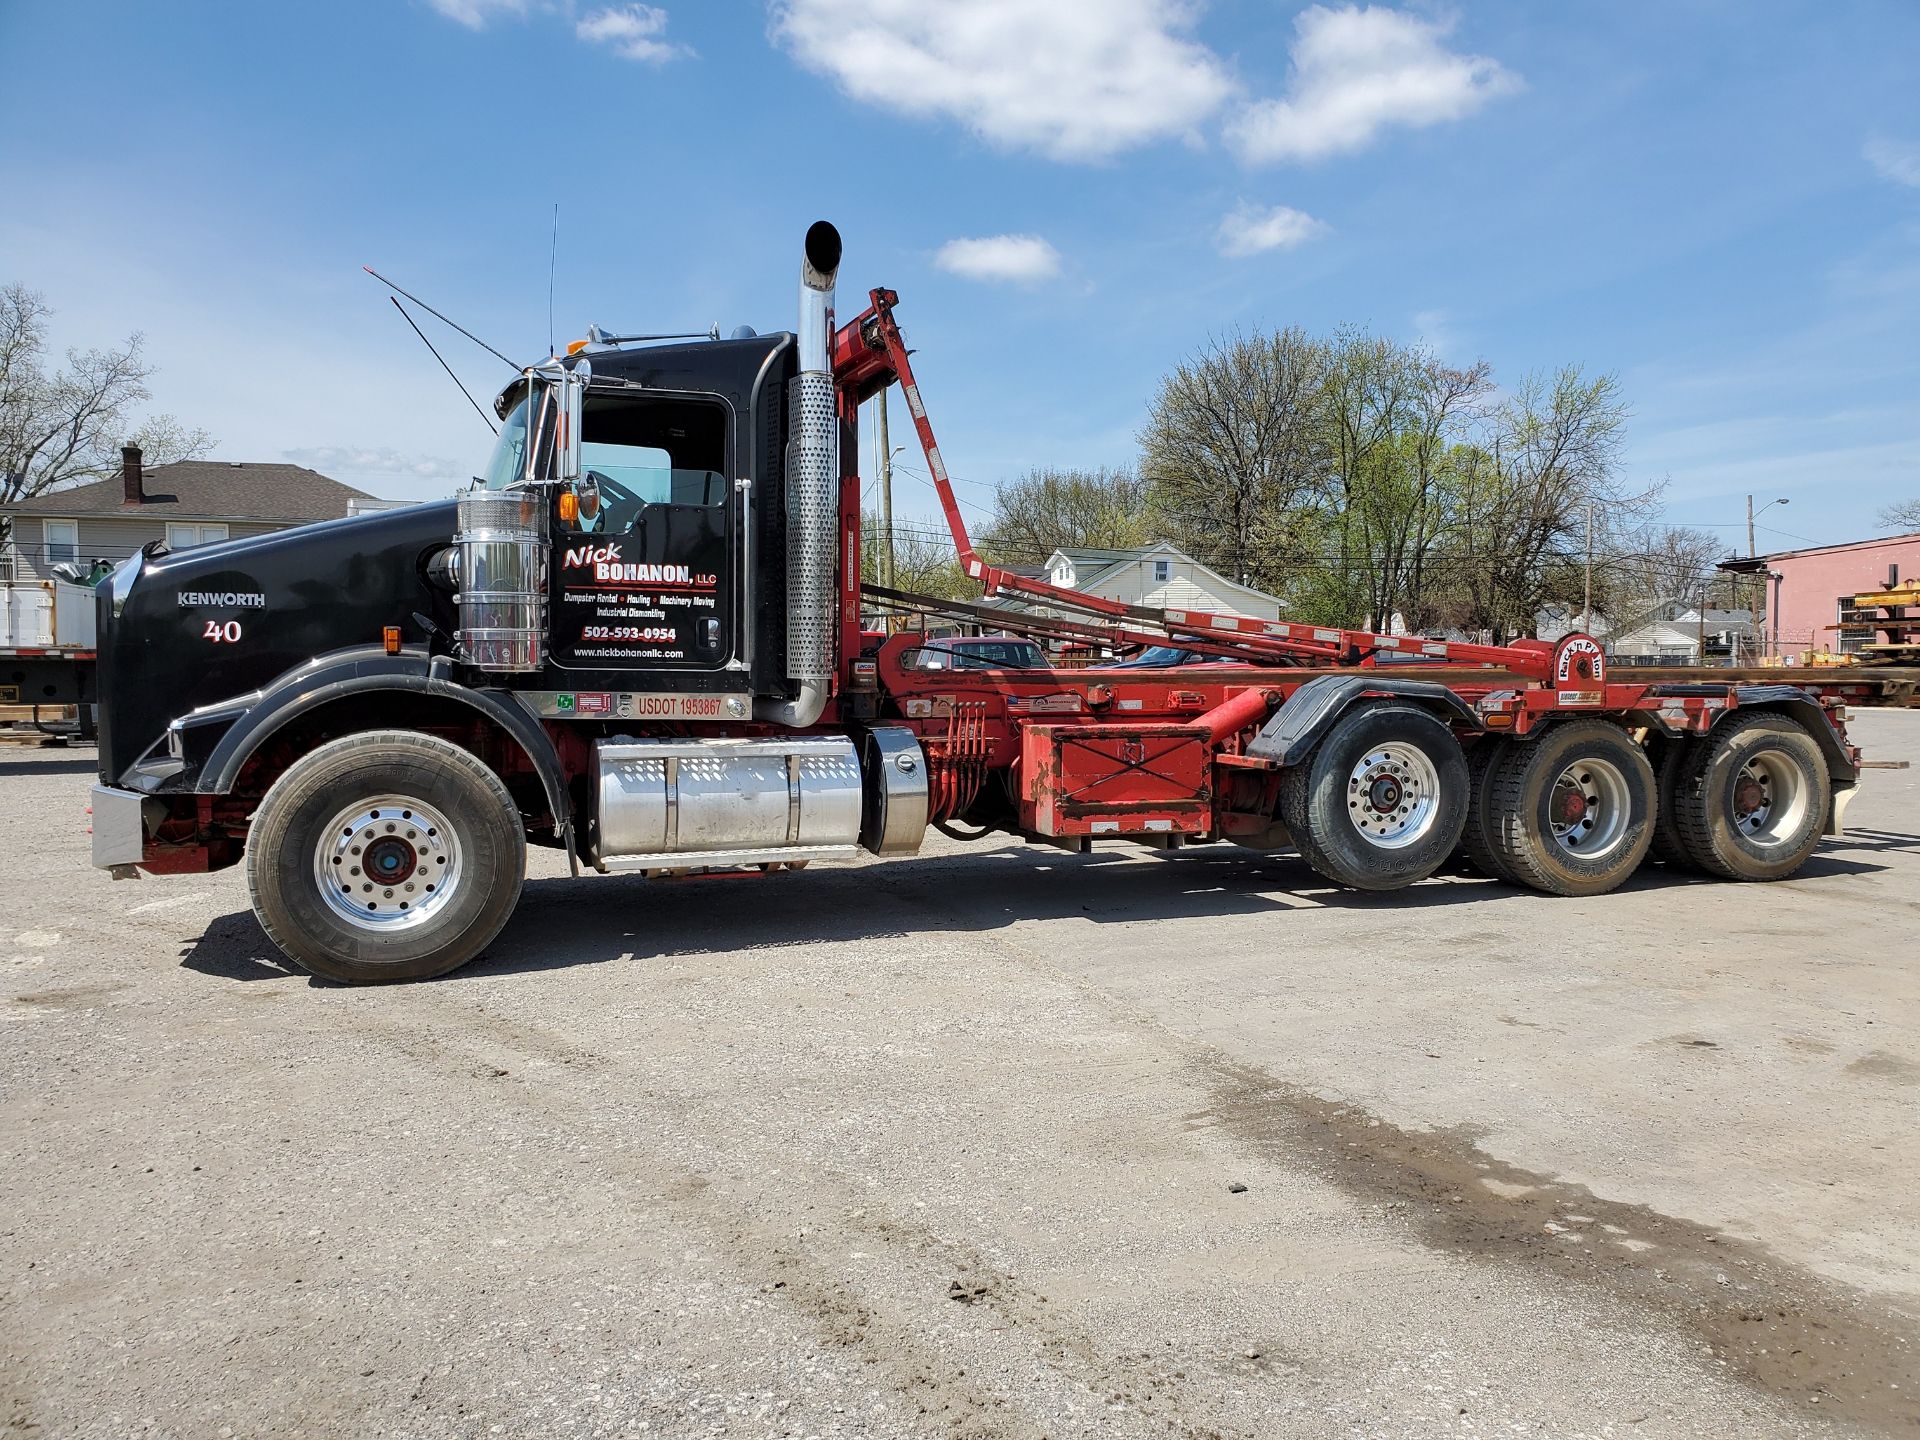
1234, 448
1393, 414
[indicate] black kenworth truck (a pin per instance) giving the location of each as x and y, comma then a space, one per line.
638, 638
363, 709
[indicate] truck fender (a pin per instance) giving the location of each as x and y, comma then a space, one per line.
362, 671
1297, 726
1795, 703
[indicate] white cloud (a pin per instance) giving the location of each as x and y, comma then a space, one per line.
1436, 330
1358, 70
636, 32
371, 460
1897, 160
1072, 79
1011, 259
474, 14
1250, 230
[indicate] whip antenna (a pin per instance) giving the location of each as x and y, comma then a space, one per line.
444, 366
442, 319
553, 254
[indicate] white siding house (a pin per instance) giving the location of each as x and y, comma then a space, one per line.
192, 502
1160, 577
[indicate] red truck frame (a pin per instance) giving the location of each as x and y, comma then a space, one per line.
1201, 753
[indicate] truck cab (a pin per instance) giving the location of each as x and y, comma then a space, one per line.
622, 641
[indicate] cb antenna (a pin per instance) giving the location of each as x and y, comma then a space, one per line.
443, 319
444, 366
553, 254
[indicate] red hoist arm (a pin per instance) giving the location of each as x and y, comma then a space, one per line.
869, 353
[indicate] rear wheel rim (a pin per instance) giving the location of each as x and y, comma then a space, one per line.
1589, 809
1769, 798
1393, 795
388, 864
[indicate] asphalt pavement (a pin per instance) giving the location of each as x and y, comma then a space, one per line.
997, 1141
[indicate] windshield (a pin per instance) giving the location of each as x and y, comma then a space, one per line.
973, 654
1159, 655
634, 452
508, 463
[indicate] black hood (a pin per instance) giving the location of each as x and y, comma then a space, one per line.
206, 625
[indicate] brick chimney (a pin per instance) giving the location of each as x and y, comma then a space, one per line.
130, 476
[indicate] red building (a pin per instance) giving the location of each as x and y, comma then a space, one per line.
1807, 592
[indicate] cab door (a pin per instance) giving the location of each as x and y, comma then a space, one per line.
647, 571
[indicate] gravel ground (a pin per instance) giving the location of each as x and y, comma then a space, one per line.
993, 1142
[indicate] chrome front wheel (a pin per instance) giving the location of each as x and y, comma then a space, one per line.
388, 863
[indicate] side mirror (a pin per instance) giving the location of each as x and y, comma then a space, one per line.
560, 397
573, 404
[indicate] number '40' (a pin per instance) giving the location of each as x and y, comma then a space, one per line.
222, 632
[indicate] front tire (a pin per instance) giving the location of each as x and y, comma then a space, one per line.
1753, 803
389, 855
1381, 802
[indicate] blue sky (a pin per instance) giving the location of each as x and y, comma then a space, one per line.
1720, 202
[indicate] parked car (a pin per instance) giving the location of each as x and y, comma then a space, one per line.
1165, 657
981, 652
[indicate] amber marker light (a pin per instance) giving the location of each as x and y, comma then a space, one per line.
569, 507
390, 637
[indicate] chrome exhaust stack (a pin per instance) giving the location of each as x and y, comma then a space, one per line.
812, 490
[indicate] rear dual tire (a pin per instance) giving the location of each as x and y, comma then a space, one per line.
1476, 839
1576, 811
1675, 754
1571, 813
1751, 800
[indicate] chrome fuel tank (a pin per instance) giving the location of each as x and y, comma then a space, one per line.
677, 804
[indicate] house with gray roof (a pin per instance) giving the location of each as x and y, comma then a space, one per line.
191, 502
1159, 576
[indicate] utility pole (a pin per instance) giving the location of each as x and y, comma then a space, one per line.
886, 488
1586, 618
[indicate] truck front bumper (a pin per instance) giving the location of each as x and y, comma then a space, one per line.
119, 828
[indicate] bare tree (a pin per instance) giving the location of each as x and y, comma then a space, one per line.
1048, 510
1902, 515
1233, 444
923, 563
1526, 497
1661, 564
67, 426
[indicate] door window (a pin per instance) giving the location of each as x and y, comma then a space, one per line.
646, 565
63, 541
638, 453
